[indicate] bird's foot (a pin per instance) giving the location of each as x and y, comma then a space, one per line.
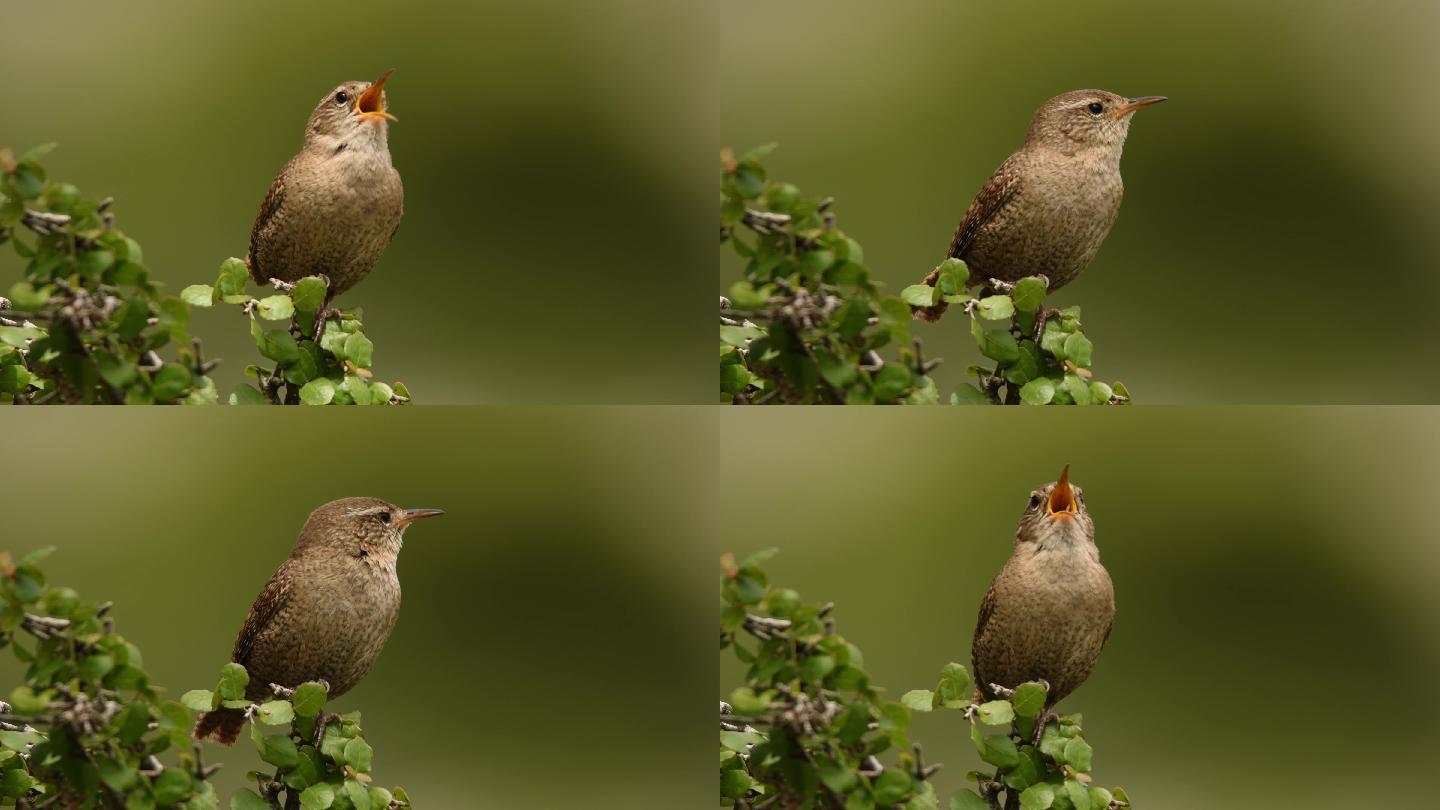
283, 692
1041, 316
322, 720
283, 286
1040, 723
325, 314
1000, 286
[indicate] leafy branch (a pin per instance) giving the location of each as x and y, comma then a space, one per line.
807, 728
88, 729
806, 323
86, 324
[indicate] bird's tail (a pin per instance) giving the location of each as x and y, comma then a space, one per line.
221, 725
930, 313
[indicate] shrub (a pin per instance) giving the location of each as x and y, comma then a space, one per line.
86, 324
808, 727
806, 323
87, 728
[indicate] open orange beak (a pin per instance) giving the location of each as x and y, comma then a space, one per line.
416, 514
1062, 498
1133, 104
371, 103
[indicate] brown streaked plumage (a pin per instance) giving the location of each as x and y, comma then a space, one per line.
1049, 611
334, 208
1049, 206
326, 613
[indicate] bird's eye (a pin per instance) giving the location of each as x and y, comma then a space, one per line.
1034, 501
1096, 108
342, 97
385, 517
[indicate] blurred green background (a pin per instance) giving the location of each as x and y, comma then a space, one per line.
1277, 619
553, 646
554, 191
1276, 243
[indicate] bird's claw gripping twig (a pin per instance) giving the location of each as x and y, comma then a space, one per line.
283, 286
1002, 691
321, 317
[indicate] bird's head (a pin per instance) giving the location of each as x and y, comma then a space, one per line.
1086, 119
1056, 513
359, 527
353, 114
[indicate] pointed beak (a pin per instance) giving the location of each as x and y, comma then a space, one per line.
409, 515
1133, 104
371, 103
1062, 498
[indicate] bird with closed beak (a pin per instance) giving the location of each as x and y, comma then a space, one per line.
328, 610
1048, 208
1050, 609
335, 207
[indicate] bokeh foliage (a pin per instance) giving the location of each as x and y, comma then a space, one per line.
807, 727
87, 728
86, 323
330, 366
807, 321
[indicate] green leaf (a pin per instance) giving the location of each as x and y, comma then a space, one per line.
892, 787
1029, 294
1038, 796
998, 344
358, 349
954, 685
244, 394
1026, 366
1078, 389
1077, 754
276, 713
968, 395
246, 799
198, 295
891, 382
200, 700
967, 800
275, 307
997, 749
279, 345
1078, 349
309, 699
996, 713
1100, 393
309, 294
232, 278
835, 775
359, 754
954, 277
919, 700
995, 307
920, 295
1039, 391
318, 796
319, 391
1029, 699
276, 749
1078, 795
233, 680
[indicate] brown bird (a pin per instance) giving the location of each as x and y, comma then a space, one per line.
1048, 208
327, 611
1050, 609
336, 205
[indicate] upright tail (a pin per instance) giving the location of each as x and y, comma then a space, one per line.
930, 313
221, 725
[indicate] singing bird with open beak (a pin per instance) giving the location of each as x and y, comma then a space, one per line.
336, 205
327, 612
1050, 609
1049, 206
